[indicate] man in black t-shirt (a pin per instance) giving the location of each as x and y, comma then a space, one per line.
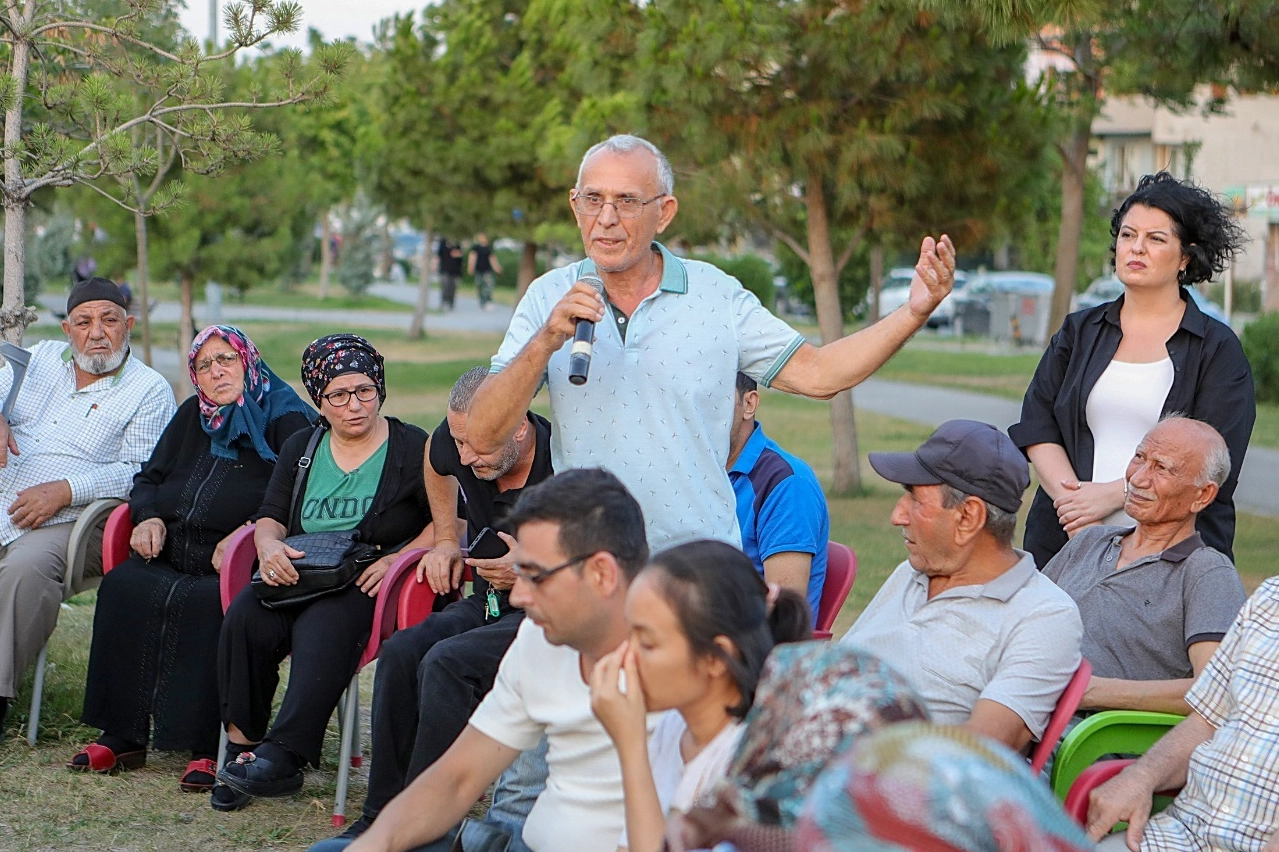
432, 676
483, 265
448, 262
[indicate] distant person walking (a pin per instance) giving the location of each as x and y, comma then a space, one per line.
483, 265
448, 262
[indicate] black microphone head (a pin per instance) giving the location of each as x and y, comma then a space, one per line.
596, 283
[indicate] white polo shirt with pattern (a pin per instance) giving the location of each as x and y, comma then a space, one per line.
657, 408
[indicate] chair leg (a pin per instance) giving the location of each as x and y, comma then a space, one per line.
350, 707
357, 747
37, 695
223, 740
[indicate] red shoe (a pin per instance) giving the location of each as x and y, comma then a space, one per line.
199, 776
98, 758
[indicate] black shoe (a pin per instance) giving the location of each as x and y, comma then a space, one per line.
224, 798
277, 773
355, 829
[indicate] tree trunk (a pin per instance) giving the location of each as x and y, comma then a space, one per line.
417, 328
326, 253
144, 273
1074, 170
528, 269
14, 318
876, 280
830, 319
187, 284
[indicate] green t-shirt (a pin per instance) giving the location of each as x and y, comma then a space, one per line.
338, 500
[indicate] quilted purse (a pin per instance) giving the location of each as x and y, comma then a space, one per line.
333, 559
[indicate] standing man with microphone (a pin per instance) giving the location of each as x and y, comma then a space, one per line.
656, 407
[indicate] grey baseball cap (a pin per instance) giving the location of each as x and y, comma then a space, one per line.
972, 456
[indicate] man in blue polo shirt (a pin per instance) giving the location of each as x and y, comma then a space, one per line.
780, 505
670, 338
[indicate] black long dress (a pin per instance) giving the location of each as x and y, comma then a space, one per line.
155, 629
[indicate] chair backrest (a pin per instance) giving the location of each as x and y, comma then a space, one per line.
1067, 704
841, 571
1094, 776
385, 613
1108, 732
115, 538
237, 564
91, 518
416, 601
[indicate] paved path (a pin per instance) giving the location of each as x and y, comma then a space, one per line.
917, 403
931, 405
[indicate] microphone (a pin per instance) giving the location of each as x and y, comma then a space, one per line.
579, 359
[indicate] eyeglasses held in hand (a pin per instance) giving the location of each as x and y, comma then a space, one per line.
339, 398
627, 206
224, 359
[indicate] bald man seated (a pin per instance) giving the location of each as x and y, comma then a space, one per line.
1155, 600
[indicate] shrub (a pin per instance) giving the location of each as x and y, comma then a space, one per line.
1261, 345
755, 273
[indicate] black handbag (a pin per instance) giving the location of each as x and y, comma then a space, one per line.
333, 559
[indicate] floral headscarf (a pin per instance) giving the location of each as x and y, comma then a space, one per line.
336, 355
918, 786
265, 398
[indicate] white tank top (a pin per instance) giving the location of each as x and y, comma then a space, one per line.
1123, 406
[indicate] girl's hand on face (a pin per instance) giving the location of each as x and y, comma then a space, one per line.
622, 713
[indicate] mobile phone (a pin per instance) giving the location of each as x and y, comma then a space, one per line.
488, 545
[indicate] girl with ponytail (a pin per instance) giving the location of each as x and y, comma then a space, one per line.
702, 623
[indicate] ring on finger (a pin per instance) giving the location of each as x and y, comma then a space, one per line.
271, 573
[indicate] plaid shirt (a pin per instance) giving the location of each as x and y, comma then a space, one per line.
1231, 797
96, 438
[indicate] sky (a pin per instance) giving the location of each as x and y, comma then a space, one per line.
334, 18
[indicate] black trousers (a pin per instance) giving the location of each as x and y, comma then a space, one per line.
430, 678
326, 638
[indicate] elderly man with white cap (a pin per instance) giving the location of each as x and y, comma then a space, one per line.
87, 416
985, 639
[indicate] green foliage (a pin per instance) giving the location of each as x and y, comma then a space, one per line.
49, 241
1034, 240
854, 279
755, 273
359, 253
1261, 345
510, 261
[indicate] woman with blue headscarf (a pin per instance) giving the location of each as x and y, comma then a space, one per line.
152, 674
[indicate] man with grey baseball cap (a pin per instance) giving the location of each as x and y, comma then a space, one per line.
986, 640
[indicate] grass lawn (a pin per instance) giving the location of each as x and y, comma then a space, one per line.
50, 808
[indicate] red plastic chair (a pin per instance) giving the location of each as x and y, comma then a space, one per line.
1092, 777
237, 570
841, 571
1067, 704
417, 601
115, 538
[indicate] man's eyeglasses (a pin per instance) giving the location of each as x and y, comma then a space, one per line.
538, 577
223, 359
364, 393
627, 206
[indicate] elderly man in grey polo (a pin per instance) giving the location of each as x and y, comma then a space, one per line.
987, 641
1155, 599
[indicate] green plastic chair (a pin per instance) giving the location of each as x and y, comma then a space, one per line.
1124, 732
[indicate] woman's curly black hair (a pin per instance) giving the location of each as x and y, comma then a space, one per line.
1209, 234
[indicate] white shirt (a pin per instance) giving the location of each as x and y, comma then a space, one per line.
1122, 407
657, 408
1014, 640
96, 438
681, 785
539, 689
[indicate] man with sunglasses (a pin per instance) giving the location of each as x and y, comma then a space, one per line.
672, 335
431, 677
579, 541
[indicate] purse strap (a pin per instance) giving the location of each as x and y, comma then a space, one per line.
304, 469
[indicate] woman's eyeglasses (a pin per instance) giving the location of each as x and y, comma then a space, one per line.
364, 393
224, 359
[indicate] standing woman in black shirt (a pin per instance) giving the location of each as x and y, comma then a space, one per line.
1115, 370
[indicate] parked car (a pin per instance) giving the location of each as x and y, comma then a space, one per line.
1108, 288
1005, 305
895, 291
